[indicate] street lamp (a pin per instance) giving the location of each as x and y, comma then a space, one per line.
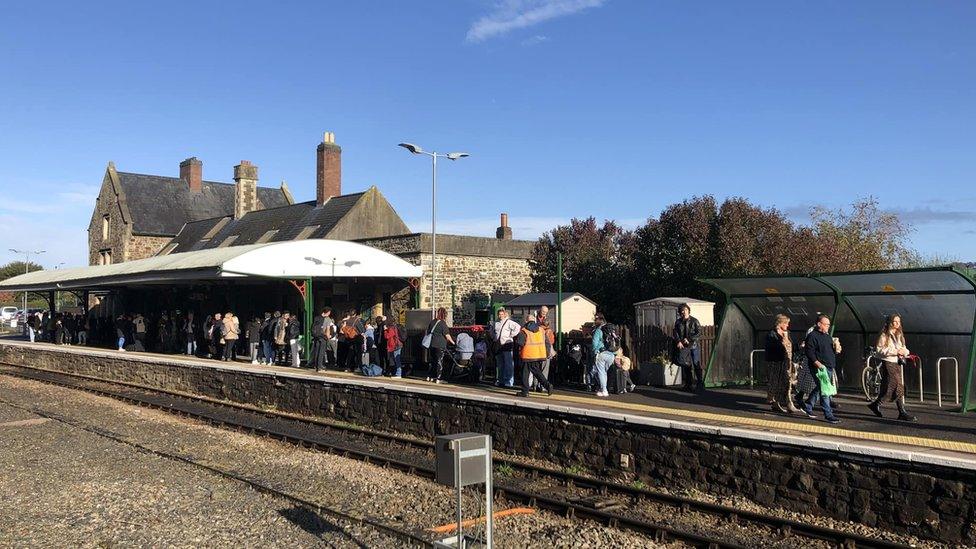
27, 254
415, 149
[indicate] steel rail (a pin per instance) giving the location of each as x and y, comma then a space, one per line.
410, 538
783, 525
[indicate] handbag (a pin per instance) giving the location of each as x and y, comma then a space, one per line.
427, 337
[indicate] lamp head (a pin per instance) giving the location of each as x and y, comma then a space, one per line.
415, 149
457, 155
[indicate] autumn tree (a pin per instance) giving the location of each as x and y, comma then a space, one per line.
861, 238
12, 269
699, 238
597, 262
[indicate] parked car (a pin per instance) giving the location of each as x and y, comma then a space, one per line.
7, 313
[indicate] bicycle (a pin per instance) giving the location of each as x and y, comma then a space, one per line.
871, 375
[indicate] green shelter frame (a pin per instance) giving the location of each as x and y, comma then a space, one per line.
937, 304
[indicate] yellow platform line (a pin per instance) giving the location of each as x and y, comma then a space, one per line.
936, 444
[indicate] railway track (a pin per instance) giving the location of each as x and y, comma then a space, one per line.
320, 435
409, 539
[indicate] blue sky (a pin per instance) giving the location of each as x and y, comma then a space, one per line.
569, 107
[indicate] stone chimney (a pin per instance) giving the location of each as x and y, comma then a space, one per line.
245, 188
328, 169
504, 232
191, 172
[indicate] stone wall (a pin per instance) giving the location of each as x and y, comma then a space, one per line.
118, 235
930, 501
477, 267
141, 247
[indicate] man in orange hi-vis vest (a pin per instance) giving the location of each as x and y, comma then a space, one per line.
535, 349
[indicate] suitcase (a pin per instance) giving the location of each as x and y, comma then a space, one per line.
616, 381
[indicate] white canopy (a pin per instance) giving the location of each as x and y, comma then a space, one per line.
313, 258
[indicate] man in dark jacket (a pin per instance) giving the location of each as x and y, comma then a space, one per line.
819, 348
379, 342
687, 332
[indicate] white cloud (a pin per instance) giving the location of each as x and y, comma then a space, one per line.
537, 39
510, 15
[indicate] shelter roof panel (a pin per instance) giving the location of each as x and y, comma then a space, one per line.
917, 281
787, 285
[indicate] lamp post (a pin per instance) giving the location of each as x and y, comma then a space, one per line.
415, 149
27, 254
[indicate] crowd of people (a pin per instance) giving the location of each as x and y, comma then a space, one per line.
800, 375
60, 328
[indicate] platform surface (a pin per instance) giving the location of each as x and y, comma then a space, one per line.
942, 436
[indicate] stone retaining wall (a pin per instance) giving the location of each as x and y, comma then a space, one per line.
926, 500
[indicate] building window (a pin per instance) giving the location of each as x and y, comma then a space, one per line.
105, 257
228, 241
105, 227
266, 236
307, 232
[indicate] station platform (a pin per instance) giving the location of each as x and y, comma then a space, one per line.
941, 436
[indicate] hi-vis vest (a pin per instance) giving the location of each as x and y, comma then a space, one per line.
535, 345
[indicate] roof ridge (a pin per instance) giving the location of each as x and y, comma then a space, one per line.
178, 179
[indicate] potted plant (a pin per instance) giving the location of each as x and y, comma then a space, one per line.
661, 372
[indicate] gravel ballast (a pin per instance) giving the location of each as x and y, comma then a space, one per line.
62, 485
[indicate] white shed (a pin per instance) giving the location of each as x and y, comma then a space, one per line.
577, 308
663, 311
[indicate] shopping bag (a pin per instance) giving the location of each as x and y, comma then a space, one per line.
827, 387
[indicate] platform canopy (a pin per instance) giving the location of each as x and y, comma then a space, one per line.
301, 259
937, 306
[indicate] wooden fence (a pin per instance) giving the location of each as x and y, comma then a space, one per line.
651, 341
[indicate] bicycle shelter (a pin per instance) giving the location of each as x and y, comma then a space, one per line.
937, 305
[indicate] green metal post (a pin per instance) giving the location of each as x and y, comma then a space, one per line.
307, 326
559, 300
971, 363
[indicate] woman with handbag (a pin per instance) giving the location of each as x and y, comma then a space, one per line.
779, 355
892, 351
436, 338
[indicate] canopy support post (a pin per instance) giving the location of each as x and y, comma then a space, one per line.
718, 334
967, 393
307, 326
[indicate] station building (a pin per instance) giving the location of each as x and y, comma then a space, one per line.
138, 216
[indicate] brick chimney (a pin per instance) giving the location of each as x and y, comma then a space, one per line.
191, 172
504, 232
245, 188
328, 169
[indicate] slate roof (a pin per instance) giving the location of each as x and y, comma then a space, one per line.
543, 298
289, 221
161, 205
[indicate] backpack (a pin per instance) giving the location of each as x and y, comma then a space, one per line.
611, 338
392, 336
349, 331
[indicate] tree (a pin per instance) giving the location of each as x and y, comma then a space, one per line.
864, 238
13, 269
698, 238
597, 262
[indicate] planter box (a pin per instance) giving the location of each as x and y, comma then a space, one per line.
658, 375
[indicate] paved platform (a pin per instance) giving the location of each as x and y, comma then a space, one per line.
941, 436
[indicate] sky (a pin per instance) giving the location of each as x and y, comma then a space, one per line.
569, 108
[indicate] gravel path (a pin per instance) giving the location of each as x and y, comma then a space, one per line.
60, 485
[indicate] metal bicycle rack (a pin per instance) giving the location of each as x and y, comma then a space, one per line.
752, 377
938, 376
